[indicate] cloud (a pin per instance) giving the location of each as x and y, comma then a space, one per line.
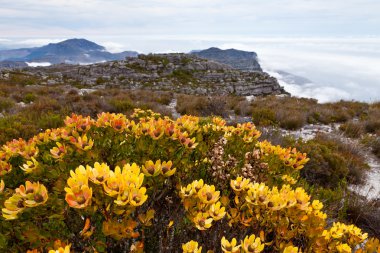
338, 68
225, 17
114, 47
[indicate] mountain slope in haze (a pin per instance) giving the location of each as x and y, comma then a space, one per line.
237, 59
73, 51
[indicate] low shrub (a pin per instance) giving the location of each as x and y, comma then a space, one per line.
201, 105
352, 129
6, 104
148, 183
376, 147
364, 213
332, 162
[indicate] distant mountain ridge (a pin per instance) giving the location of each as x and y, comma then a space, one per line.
237, 59
72, 51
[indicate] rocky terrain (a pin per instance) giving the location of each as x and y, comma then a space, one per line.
242, 60
180, 73
73, 51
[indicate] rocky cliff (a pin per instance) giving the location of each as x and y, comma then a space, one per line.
180, 73
237, 59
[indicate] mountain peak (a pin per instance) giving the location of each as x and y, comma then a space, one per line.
80, 43
72, 51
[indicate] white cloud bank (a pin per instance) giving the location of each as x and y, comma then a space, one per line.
338, 69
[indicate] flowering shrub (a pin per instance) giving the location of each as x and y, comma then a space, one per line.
149, 183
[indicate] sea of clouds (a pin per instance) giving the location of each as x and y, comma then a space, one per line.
338, 69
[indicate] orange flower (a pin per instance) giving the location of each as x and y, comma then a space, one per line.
82, 143
79, 197
59, 151
5, 168
34, 194
119, 123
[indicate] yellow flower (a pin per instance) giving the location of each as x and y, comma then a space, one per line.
82, 143
291, 249
191, 247
131, 169
30, 166
166, 169
343, 248
150, 169
132, 178
208, 195
217, 212
258, 194
78, 177
197, 185
187, 191
137, 197
302, 199
99, 173
239, 184
122, 198
2, 185
59, 151
317, 205
61, 249
276, 202
252, 244
156, 131
13, 206
114, 185
230, 247
320, 214
34, 194
202, 221
5, 167
78, 197
289, 179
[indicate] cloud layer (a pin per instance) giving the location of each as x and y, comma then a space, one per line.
68, 18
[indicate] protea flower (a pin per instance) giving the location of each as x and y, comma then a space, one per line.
191, 247
230, 247
78, 197
151, 169
137, 197
34, 194
99, 173
208, 195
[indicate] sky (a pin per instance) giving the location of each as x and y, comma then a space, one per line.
334, 43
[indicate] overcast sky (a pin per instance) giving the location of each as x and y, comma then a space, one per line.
186, 19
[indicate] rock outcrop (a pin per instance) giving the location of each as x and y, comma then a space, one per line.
180, 73
242, 60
